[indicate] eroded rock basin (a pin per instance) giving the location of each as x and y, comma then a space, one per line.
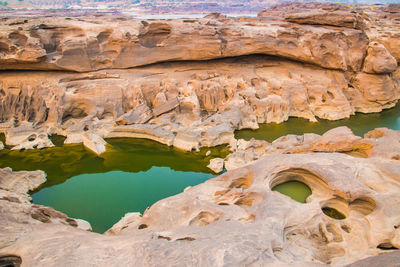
103, 198
132, 175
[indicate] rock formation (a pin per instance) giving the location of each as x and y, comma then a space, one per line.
96, 77
191, 83
235, 218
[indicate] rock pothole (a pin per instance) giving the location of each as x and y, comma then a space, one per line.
10, 261
298, 184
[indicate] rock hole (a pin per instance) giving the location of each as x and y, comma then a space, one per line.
10, 261
295, 190
345, 228
386, 246
32, 137
143, 226
315, 184
86, 128
333, 213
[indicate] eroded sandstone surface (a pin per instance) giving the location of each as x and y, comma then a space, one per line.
233, 219
192, 82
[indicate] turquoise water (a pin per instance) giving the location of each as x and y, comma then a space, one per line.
130, 176
135, 173
103, 198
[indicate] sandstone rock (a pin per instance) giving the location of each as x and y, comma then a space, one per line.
20, 182
166, 106
102, 43
376, 88
239, 93
140, 114
216, 165
142, 131
338, 139
333, 18
27, 137
128, 219
379, 60
236, 208
186, 141
1, 145
94, 142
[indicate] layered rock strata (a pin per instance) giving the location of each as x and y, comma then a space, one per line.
214, 75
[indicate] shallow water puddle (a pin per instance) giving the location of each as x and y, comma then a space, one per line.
295, 190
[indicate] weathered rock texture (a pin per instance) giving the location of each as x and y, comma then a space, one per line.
376, 143
213, 75
235, 219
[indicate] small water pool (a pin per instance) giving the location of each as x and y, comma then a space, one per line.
295, 190
103, 198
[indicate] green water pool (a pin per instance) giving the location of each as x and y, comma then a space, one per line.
130, 176
135, 173
295, 190
103, 198
359, 124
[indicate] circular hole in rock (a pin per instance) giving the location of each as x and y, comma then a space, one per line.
294, 189
386, 246
336, 208
32, 137
333, 213
10, 261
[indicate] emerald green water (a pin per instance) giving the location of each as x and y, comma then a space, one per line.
359, 124
130, 176
134, 173
295, 190
103, 198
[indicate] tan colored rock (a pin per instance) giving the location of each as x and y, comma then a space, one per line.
337, 18
376, 88
88, 44
379, 60
216, 165
27, 137
165, 107
94, 142
140, 114
236, 208
339, 139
